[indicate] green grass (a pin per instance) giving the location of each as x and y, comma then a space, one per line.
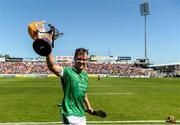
35, 99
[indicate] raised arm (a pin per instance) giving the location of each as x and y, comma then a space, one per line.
56, 69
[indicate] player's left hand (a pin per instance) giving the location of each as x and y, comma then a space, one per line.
90, 110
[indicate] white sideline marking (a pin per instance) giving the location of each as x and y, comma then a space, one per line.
91, 122
30, 123
109, 93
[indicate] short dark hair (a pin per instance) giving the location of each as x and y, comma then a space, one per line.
80, 50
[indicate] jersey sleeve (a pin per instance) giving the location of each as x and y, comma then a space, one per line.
64, 72
61, 72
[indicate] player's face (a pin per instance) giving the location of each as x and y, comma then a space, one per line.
81, 61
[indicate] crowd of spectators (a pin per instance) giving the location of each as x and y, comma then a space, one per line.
40, 67
23, 68
114, 69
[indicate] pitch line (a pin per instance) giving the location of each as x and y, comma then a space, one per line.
109, 93
133, 122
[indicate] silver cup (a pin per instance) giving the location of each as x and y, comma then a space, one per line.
44, 35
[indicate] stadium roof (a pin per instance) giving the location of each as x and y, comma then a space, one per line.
167, 64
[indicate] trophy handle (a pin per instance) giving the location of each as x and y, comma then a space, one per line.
54, 33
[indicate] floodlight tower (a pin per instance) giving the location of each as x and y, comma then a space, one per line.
144, 9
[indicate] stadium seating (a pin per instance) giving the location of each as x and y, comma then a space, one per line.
40, 67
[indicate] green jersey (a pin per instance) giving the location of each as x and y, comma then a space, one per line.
74, 86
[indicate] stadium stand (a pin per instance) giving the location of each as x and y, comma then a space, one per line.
40, 67
168, 70
106, 67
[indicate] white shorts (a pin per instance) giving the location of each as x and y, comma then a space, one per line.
73, 120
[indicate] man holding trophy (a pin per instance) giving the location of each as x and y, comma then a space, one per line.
74, 79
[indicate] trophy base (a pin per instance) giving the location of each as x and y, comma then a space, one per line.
42, 47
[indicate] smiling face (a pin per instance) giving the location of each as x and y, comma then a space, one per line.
80, 58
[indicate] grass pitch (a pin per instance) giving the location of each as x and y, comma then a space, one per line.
35, 99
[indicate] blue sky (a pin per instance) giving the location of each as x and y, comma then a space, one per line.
102, 26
